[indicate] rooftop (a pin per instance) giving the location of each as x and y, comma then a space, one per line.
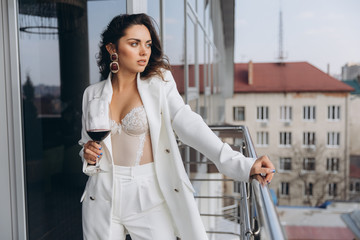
355, 84
285, 77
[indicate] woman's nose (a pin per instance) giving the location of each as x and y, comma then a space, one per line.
143, 51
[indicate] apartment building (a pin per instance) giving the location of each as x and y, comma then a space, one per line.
354, 149
298, 116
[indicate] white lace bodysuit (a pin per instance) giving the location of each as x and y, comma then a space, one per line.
131, 144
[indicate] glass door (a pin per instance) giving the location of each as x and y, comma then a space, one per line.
58, 46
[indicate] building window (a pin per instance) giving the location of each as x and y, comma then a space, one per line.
308, 189
262, 113
309, 113
309, 139
285, 164
332, 164
309, 164
333, 189
285, 189
285, 113
333, 112
351, 187
357, 186
262, 139
333, 139
285, 139
239, 113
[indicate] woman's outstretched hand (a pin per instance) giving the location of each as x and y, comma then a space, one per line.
263, 170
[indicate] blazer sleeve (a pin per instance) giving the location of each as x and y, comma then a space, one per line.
193, 131
87, 169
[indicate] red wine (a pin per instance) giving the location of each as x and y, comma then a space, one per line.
98, 134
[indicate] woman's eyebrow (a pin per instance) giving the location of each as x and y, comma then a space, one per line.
138, 40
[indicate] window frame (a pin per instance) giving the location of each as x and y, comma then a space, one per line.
264, 137
309, 139
284, 189
330, 164
334, 113
309, 113
237, 112
285, 139
262, 113
333, 139
285, 161
332, 189
309, 164
309, 188
286, 113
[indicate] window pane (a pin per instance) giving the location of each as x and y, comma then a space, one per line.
57, 64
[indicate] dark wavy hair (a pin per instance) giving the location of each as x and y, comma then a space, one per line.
116, 29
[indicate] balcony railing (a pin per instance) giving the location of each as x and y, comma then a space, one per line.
249, 208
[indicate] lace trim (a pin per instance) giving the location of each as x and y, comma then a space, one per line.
135, 120
140, 150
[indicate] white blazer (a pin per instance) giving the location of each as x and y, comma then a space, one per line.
166, 113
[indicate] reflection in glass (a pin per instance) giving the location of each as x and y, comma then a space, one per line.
190, 45
55, 44
153, 10
174, 39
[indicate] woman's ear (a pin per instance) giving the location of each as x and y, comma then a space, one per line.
110, 48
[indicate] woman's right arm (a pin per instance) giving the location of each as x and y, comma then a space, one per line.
91, 151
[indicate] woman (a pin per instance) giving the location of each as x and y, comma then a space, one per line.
140, 186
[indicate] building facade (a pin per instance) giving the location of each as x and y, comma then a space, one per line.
350, 71
47, 58
298, 116
354, 100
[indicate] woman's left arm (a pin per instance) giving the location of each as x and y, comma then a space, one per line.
193, 131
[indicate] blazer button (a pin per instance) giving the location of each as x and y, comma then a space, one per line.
167, 150
92, 198
176, 190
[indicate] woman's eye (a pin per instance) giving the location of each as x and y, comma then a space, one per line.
134, 44
149, 45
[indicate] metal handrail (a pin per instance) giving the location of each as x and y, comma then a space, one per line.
258, 218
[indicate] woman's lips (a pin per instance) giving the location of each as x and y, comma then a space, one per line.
142, 62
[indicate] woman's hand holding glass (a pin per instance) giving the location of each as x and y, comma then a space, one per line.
92, 152
98, 128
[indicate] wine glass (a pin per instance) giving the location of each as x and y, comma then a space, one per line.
97, 121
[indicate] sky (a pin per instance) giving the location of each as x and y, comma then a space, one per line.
320, 32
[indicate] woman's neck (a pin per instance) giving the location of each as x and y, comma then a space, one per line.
122, 81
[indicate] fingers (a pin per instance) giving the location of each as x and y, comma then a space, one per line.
263, 170
92, 152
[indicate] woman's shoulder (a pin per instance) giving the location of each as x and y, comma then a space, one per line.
95, 86
94, 89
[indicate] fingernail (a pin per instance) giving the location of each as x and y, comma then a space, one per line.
98, 156
268, 182
100, 148
273, 171
101, 154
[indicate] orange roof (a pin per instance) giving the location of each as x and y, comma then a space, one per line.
271, 77
286, 77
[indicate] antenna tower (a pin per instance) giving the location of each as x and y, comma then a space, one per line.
281, 56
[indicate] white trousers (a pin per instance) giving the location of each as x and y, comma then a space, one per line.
138, 205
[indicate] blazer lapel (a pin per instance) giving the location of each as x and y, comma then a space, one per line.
150, 91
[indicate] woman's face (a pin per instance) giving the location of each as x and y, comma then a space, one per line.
134, 49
